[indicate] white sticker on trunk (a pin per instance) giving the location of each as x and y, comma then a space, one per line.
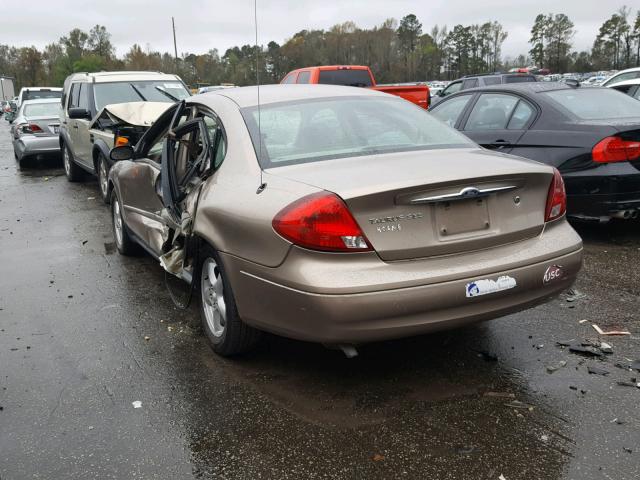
486, 286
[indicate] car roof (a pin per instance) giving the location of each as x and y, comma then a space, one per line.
122, 76
525, 87
632, 69
248, 96
37, 89
41, 100
633, 81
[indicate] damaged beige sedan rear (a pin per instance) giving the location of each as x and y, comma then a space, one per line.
338, 215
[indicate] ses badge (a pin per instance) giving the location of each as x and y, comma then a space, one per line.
554, 272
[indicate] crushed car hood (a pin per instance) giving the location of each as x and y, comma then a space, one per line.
141, 114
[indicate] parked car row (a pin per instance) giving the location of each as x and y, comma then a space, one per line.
346, 215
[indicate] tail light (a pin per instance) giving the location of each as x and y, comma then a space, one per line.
556, 199
615, 149
321, 221
29, 128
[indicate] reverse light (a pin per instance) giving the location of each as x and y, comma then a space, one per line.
615, 149
321, 221
556, 199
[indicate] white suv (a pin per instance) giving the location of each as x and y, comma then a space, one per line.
86, 94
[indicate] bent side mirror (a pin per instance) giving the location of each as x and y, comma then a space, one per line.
123, 152
79, 113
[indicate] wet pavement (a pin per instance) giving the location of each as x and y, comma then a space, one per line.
85, 332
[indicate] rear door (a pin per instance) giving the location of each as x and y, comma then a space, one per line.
140, 186
71, 124
83, 144
186, 160
498, 120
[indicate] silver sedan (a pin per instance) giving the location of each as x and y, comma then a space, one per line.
35, 129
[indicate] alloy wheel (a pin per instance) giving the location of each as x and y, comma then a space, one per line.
117, 222
213, 303
103, 178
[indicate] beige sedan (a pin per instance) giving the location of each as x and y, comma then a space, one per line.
338, 215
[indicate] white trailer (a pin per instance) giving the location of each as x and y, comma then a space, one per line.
7, 91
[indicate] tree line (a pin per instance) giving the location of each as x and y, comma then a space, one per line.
397, 51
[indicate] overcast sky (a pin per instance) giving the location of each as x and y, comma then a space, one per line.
205, 24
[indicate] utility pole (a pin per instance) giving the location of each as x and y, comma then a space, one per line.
175, 45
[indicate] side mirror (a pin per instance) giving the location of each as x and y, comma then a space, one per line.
79, 113
123, 152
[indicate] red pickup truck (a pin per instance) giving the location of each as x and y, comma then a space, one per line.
358, 76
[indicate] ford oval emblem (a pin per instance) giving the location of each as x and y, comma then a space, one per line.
470, 192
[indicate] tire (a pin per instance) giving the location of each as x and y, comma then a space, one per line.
124, 243
102, 169
227, 334
71, 170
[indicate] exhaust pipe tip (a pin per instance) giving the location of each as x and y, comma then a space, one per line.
348, 349
622, 214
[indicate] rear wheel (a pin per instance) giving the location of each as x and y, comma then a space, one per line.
227, 333
71, 170
103, 177
124, 243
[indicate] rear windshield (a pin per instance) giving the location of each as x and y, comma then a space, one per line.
519, 78
349, 78
596, 103
146, 91
35, 94
329, 128
42, 110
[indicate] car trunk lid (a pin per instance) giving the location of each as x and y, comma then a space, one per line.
436, 202
48, 125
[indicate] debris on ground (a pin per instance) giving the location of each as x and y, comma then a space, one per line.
501, 477
499, 395
618, 421
629, 384
573, 387
519, 405
606, 348
84, 242
136, 404
597, 371
610, 332
556, 366
573, 295
627, 449
489, 357
147, 338
465, 450
629, 366
587, 348
583, 321
377, 457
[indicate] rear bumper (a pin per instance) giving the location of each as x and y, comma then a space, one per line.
388, 311
602, 191
34, 145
